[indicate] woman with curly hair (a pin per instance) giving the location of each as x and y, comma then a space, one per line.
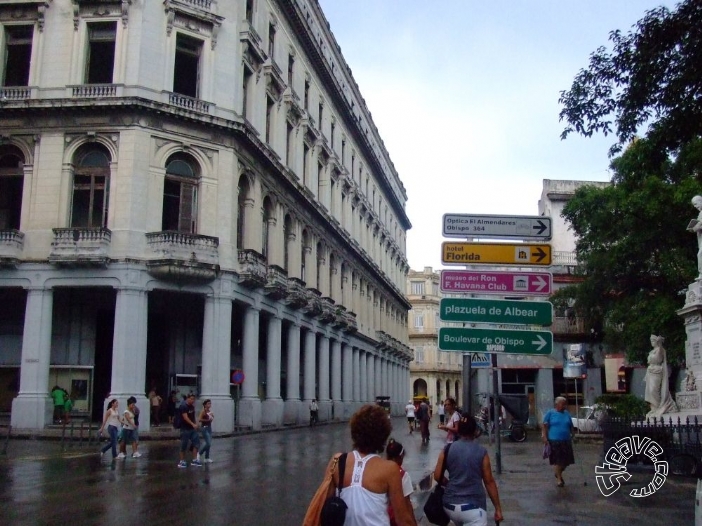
371, 482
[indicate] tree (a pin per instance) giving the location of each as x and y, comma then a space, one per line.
635, 253
652, 78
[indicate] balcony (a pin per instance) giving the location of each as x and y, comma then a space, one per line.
252, 269
96, 91
351, 323
11, 243
15, 93
296, 295
276, 286
328, 312
189, 103
314, 303
77, 247
183, 257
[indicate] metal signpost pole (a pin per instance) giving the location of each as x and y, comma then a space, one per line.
467, 388
496, 416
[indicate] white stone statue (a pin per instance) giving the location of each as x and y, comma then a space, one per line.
657, 392
695, 226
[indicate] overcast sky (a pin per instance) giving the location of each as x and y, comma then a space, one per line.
465, 96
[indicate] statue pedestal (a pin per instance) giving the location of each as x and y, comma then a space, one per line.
690, 402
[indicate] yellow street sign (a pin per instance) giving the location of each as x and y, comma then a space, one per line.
495, 253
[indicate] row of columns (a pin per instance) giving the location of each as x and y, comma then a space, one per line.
347, 375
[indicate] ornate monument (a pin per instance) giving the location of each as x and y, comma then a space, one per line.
690, 400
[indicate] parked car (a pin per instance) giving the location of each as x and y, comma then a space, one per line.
588, 419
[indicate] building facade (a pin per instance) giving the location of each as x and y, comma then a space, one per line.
434, 374
194, 197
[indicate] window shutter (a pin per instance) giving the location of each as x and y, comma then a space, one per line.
186, 218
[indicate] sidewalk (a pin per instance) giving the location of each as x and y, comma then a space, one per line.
529, 494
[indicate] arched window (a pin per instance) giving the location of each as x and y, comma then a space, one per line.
11, 182
91, 183
180, 194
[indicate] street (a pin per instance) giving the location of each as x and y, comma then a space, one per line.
269, 478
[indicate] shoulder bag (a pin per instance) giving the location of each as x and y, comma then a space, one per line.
434, 507
334, 509
313, 517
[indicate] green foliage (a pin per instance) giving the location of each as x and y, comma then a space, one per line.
624, 405
633, 248
651, 78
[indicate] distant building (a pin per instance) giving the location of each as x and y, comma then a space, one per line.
433, 374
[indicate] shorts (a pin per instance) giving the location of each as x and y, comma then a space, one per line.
128, 435
410, 419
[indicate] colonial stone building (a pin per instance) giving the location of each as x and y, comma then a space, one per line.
194, 197
434, 374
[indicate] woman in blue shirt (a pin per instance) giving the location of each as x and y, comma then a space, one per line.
557, 431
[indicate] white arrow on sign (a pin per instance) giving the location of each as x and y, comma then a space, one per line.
541, 283
540, 342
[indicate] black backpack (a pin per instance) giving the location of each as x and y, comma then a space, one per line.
178, 417
334, 509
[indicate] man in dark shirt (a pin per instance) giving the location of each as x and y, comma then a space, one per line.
423, 416
188, 431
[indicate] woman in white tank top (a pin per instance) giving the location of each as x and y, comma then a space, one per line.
370, 482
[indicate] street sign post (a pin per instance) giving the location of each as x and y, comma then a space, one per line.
480, 360
502, 283
502, 341
495, 254
510, 312
492, 226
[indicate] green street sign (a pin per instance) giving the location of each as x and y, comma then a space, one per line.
510, 312
495, 341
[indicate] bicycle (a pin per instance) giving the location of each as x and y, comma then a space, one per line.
515, 431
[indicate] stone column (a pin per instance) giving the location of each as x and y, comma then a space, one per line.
250, 403
324, 400
378, 377
293, 405
337, 404
273, 405
371, 377
33, 407
355, 378
362, 373
129, 351
309, 379
348, 380
216, 360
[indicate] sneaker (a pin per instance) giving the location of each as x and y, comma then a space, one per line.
208, 460
182, 464
196, 462
121, 455
136, 455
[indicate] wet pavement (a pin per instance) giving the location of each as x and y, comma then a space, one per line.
268, 478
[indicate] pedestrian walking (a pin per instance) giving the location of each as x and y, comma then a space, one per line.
395, 452
409, 411
111, 420
205, 420
136, 411
314, 412
128, 427
441, 411
173, 403
469, 476
189, 435
557, 431
451, 426
370, 482
155, 406
423, 416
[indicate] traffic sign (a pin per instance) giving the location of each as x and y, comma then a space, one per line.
502, 283
495, 253
513, 227
480, 360
502, 341
511, 312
